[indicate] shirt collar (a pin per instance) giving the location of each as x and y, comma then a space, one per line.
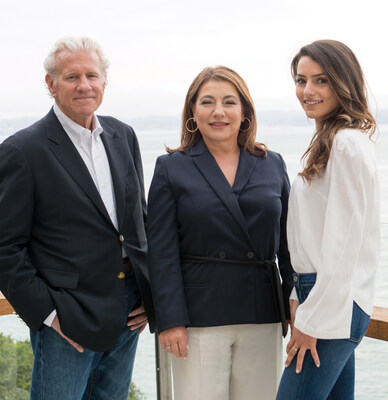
74, 129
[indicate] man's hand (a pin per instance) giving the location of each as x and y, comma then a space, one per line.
56, 326
139, 319
174, 340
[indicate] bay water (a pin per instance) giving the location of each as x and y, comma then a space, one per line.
290, 142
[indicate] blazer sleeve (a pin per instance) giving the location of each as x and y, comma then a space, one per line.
284, 261
163, 252
27, 293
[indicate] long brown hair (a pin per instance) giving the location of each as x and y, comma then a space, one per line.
247, 133
346, 79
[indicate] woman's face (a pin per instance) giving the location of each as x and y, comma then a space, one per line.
313, 90
218, 113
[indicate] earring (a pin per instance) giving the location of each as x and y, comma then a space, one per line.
187, 128
249, 125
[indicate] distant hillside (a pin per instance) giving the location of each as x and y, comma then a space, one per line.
265, 118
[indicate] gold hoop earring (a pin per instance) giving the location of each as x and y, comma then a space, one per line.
249, 125
187, 128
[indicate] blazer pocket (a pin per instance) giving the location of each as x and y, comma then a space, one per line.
60, 278
195, 285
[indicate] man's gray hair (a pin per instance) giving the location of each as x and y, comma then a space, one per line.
74, 44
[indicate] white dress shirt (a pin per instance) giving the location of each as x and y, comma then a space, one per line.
333, 229
91, 148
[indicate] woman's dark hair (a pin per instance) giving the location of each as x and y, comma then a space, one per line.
346, 79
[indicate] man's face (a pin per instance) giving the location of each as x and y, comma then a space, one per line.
79, 84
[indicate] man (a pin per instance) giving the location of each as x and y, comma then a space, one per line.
72, 236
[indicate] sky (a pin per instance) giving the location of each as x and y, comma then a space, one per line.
157, 47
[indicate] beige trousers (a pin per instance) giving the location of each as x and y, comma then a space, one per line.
233, 362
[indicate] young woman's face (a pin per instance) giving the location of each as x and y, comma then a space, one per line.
313, 90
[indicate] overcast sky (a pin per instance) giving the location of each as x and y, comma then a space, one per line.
157, 47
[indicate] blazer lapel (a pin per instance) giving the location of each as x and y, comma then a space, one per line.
64, 150
209, 168
114, 149
245, 168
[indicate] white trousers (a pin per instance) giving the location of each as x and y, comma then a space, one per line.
232, 362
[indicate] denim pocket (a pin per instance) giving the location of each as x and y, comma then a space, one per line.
360, 323
303, 284
304, 290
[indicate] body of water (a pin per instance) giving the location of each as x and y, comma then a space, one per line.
291, 142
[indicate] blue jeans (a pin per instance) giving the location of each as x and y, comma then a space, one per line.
62, 373
334, 379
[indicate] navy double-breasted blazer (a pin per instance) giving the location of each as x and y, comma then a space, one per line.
193, 211
58, 246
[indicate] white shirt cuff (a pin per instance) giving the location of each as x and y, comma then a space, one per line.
49, 320
293, 295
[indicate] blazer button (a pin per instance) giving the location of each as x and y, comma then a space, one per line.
121, 237
222, 254
121, 275
250, 254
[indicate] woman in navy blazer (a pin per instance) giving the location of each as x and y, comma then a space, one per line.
216, 222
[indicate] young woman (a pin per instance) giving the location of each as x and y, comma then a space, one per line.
216, 221
332, 227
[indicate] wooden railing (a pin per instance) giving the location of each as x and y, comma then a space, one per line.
5, 307
378, 329
378, 326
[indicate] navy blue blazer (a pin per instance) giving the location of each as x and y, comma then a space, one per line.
58, 246
193, 211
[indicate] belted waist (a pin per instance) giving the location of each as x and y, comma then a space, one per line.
126, 264
271, 270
